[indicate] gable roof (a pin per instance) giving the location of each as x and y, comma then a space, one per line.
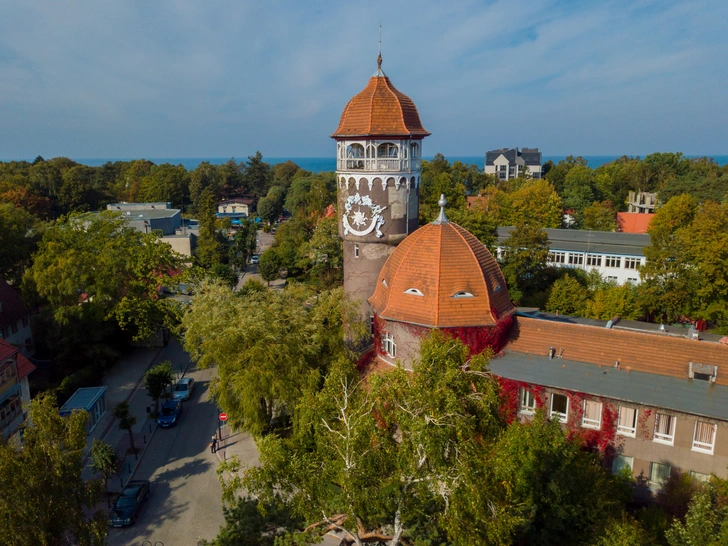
633, 222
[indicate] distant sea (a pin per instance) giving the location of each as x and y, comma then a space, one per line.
321, 164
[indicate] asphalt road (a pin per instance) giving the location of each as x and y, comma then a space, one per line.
185, 502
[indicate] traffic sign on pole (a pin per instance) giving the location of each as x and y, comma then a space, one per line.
223, 417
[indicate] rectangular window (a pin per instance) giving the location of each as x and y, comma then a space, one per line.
612, 261
659, 474
576, 259
503, 168
627, 424
528, 402
631, 263
632, 280
699, 476
592, 414
25, 322
621, 462
612, 279
594, 260
560, 407
388, 345
557, 257
14, 326
704, 437
664, 429
356, 251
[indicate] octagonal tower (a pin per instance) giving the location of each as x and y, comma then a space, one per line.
379, 150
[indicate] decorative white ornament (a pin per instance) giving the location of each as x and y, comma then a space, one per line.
371, 184
359, 217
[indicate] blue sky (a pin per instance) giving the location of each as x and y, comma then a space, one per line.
220, 79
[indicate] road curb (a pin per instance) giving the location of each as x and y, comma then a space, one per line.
141, 456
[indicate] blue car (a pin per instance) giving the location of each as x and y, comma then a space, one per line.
169, 415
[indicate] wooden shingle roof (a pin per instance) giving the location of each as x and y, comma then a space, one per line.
380, 110
459, 281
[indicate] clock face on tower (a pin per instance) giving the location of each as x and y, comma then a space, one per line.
362, 216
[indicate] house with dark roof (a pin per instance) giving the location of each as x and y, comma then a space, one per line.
508, 163
14, 390
14, 319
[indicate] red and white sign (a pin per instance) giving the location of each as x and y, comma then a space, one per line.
223, 417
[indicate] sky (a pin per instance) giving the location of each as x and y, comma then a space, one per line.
179, 78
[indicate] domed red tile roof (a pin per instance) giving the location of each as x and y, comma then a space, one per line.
380, 110
459, 280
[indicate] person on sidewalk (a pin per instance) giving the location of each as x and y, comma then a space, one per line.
213, 444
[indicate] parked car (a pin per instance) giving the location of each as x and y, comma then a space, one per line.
183, 389
255, 259
127, 506
169, 415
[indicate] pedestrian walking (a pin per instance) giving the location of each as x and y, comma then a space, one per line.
213, 444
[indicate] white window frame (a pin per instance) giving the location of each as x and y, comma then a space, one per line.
576, 258
699, 476
563, 417
658, 484
594, 260
527, 401
662, 438
591, 423
704, 447
557, 257
356, 251
389, 346
624, 430
622, 461
631, 263
612, 261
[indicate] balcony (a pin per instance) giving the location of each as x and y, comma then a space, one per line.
377, 165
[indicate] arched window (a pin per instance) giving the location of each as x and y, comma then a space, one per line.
387, 150
354, 151
412, 182
388, 345
413, 292
462, 294
371, 151
415, 150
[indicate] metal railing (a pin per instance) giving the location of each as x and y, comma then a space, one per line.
377, 164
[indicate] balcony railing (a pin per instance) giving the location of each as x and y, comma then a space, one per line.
378, 164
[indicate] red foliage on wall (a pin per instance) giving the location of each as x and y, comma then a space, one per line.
604, 439
510, 397
365, 360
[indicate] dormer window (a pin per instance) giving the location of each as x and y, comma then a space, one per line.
702, 372
462, 294
413, 292
385, 283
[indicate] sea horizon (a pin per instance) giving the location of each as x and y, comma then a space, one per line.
328, 163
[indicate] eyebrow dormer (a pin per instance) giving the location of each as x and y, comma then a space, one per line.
413, 292
462, 294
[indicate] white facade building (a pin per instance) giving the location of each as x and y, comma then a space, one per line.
617, 256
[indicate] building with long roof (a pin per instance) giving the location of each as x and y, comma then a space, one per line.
653, 398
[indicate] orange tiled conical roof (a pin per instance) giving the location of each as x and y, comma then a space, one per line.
441, 276
380, 110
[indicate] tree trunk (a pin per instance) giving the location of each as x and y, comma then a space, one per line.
131, 440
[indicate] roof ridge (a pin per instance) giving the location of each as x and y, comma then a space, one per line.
470, 248
401, 261
371, 104
394, 91
439, 274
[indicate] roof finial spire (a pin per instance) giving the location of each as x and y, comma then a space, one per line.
442, 219
379, 58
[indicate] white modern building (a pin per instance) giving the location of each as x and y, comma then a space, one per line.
508, 163
617, 256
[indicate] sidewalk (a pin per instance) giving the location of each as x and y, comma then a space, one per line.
125, 383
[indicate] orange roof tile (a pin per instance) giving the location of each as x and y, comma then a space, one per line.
380, 110
25, 366
633, 222
659, 354
440, 260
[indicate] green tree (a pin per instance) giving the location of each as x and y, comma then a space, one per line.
126, 421
44, 497
611, 300
95, 268
536, 203
706, 523
557, 174
269, 265
18, 239
205, 181
156, 381
567, 296
166, 183
244, 244
105, 462
269, 346
600, 216
211, 247
258, 175
523, 261
225, 274
326, 253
